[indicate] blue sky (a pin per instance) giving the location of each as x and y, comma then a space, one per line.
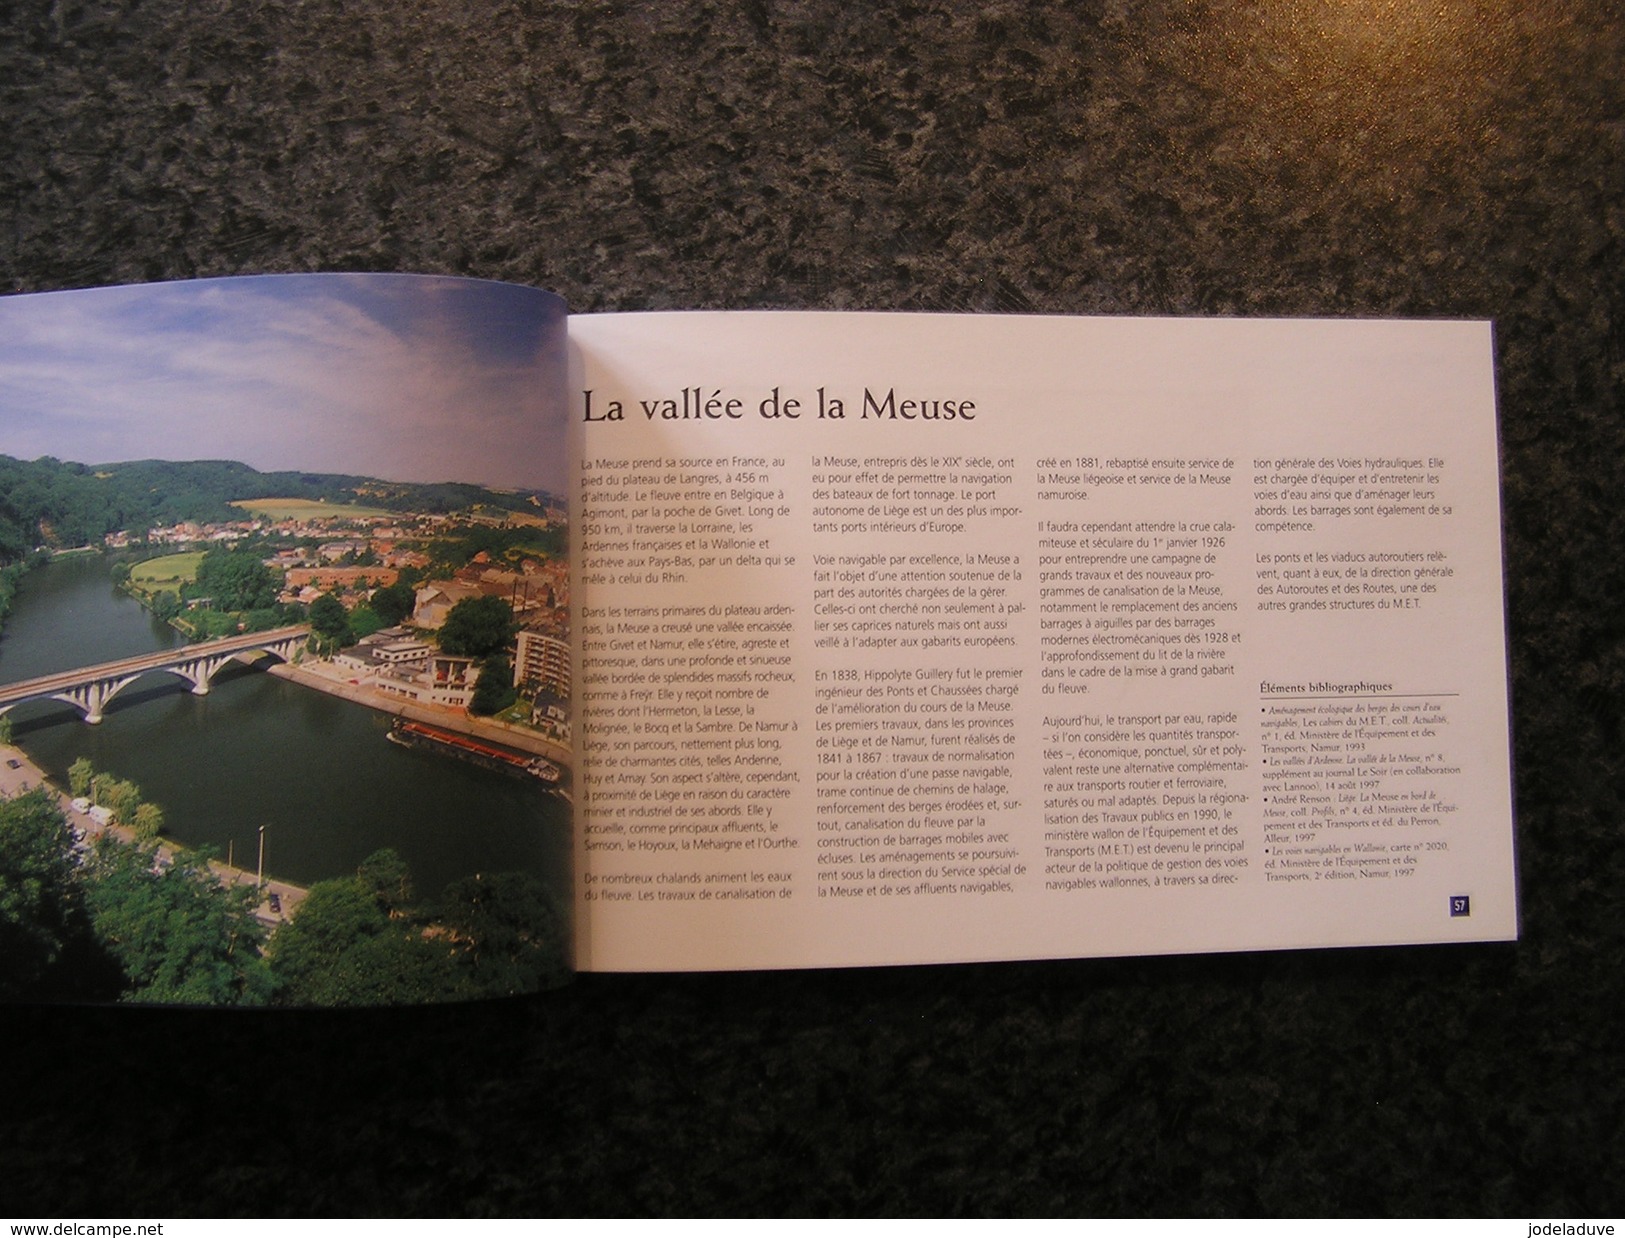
410, 378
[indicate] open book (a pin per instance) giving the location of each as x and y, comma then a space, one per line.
779, 639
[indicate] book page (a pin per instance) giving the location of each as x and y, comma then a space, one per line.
911, 639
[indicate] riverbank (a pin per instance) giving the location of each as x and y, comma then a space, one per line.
10, 574
335, 680
19, 774
259, 750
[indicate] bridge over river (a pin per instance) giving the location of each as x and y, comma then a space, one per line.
90, 688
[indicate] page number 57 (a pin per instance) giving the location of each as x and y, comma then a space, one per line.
1461, 905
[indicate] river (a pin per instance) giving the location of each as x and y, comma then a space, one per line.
317, 772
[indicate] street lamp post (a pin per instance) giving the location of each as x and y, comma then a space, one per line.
261, 874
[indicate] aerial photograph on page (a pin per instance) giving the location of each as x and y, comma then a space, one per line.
284, 643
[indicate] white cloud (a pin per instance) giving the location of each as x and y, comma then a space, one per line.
385, 376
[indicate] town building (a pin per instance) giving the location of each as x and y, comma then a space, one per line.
542, 662
330, 578
393, 661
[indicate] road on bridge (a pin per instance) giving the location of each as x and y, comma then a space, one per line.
62, 681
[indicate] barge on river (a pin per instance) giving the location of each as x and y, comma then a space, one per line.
410, 734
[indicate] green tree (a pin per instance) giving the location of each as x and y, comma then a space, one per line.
512, 936
364, 621
165, 605
179, 934
493, 690
10, 573
147, 821
121, 797
5, 728
263, 619
477, 627
341, 948
329, 625
393, 603
80, 774
126, 801
212, 623
236, 580
385, 876
40, 908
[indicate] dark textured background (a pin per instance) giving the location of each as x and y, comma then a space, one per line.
1324, 157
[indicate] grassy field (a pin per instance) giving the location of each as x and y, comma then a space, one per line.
166, 572
518, 517
310, 509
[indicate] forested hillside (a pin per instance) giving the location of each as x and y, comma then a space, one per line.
55, 503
